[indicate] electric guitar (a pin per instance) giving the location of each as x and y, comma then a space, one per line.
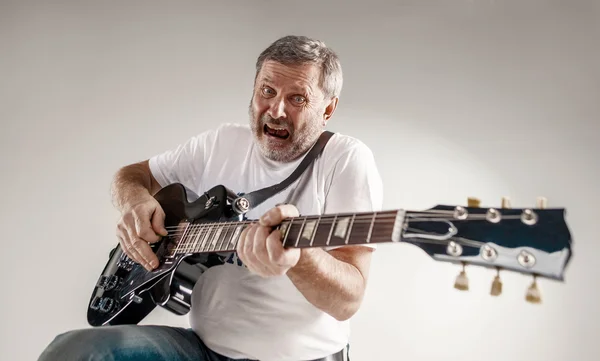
534, 241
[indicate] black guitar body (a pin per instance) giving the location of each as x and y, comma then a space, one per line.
126, 292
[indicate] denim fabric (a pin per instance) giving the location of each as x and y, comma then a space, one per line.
129, 342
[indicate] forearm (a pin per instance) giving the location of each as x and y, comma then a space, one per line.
130, 184
332, 285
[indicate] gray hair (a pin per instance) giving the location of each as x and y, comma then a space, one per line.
295, 50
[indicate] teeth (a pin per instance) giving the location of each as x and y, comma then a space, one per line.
275, 128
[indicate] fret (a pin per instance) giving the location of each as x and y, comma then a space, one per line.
190, 239
361, 229
380, 230
331, 230
223, 237
215, 238
371, 227
341, 227
323, 231
173, 247
312, 238
307, 233
285, 229
205, 238
293, 233
199, 234
350, 228
300, 232
234, 238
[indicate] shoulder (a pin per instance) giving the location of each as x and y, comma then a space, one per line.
226, 130
343, 149
232, 134
233, 129
352, 179
222, 135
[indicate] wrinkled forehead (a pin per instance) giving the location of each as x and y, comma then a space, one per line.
303, 76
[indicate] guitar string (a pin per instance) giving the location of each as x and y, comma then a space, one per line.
178, 230
200, 238
192, 246
363, 218
462, 240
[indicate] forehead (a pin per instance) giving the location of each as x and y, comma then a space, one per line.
301, 76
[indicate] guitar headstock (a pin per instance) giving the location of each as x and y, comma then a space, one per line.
534, 241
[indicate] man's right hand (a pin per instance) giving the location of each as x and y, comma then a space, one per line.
140, 224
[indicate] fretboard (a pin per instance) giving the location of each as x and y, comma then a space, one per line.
298, 232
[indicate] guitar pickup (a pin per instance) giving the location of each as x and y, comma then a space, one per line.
108, 282
104, 304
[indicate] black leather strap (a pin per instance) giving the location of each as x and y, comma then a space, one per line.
250, 200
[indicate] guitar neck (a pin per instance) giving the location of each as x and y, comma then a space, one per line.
309, 231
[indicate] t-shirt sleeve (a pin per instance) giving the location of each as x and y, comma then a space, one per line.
356, 184
184, 163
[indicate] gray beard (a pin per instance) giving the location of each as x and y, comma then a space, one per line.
301, 140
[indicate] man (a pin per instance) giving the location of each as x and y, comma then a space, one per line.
266, 302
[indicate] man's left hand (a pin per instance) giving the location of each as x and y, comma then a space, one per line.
261, 249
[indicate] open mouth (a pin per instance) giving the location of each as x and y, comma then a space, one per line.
276, 132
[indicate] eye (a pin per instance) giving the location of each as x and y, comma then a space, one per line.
298, 99
268, 91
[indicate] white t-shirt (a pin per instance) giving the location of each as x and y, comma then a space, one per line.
242, 315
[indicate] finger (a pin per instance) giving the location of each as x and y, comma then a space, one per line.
150, 261
145, 255
248, 246
132, 253
122, 241
241, 245
275, 215
143, 227
284, 257
158, 221
274, 248
259, 246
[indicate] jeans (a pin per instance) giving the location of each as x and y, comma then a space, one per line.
130, 342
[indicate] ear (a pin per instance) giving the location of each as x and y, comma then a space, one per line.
330, 109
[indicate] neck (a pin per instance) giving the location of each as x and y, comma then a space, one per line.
298, 232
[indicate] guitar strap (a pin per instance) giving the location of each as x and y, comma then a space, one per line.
250, 200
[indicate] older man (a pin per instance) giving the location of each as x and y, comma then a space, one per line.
266, 302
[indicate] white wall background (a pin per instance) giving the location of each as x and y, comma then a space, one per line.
455, 98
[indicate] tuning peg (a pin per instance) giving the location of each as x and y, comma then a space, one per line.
542, 202
462, 282
533, 293
506, 202
473, 202
496, 284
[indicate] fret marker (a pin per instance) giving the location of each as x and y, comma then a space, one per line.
235, 236
215, 239
308, 230
341, 227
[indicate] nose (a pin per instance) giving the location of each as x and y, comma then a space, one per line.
277, 108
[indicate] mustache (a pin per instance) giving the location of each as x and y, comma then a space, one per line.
277, 121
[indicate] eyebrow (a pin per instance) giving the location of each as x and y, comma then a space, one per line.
294, 87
